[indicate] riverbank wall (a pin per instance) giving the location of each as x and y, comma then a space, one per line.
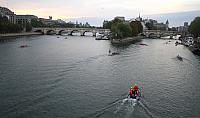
195, 48
128, 40
19, 34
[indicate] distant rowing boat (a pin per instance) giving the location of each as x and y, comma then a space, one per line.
114, 53
23, 46
143, 44
179, 58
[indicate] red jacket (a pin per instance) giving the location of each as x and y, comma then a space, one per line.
135, 88
130, 91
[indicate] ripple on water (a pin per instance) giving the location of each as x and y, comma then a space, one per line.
76, 77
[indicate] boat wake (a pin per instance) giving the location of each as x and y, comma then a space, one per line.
127, 104
122, 107
102, 111
144, 106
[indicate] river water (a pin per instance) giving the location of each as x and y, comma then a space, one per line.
75, 78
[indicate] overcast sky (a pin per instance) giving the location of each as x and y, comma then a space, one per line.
98, 8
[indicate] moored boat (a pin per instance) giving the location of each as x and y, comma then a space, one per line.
98, 37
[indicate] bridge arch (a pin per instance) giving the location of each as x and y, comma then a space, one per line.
50, 32
162, 34
151, 35
73, 31
60, 32
39, 30
87, 31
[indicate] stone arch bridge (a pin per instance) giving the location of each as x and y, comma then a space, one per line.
160, 33
70, 31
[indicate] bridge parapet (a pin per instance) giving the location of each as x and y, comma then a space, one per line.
159, 33
71, 30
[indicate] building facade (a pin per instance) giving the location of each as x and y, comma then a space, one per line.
8, 13
48, 22
60, 21
183, 28
186, 24
24, 19
156, 25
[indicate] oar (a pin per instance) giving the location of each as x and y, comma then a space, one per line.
127, 96
142, 95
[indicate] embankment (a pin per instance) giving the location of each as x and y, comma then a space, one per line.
19, 34
128, 40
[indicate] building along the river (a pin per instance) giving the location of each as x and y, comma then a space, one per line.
24, 19
8, 13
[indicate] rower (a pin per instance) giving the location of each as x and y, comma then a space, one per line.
131, 92
135, 90
109, 51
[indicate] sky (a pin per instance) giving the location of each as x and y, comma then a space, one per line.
98, 8
96, 11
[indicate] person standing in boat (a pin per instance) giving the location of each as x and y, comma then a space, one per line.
109, 51
135, 90
131, 92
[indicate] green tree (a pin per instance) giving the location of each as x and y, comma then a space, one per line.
107, 24
136, 27
28, 27
116, 21
194, 27
3, 19
37, 23
7, 27
121, 30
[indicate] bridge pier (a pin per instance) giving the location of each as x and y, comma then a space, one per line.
82, 33
70, 34
94, 34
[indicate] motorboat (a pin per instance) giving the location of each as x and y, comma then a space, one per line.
104, 38
99, 37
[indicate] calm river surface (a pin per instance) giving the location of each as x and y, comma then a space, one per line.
75, 78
